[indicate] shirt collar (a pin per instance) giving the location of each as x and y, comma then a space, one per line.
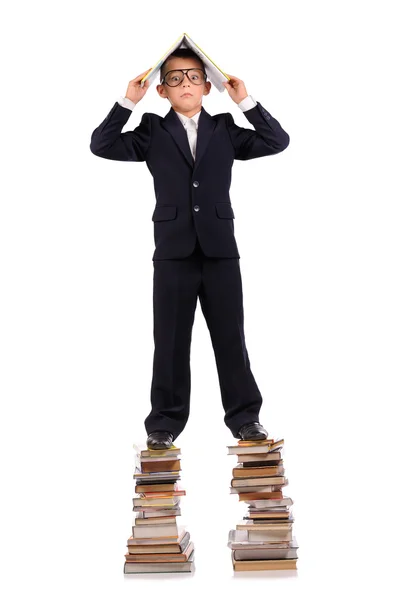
184, 118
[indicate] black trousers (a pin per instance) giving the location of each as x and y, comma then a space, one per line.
217, 283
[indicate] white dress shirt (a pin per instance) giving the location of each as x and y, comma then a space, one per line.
191, 123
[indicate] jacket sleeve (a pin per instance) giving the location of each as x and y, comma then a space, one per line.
268, 138
107, 141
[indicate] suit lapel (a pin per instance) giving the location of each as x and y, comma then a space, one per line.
206, 126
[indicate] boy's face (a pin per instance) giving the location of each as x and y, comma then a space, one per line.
187, 105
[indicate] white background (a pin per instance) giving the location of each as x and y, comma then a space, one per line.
317, 229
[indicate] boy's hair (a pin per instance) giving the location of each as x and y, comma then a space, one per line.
180, 53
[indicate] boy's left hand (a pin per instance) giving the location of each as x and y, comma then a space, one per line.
236, 88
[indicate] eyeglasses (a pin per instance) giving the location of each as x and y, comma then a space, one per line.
175, 77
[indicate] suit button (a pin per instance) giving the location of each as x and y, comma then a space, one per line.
195, 183
196, 208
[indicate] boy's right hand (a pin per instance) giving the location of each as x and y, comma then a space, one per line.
134, 91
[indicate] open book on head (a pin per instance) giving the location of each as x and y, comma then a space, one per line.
215, 75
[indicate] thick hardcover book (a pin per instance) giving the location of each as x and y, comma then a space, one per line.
161, 557
259, 481
139, 546
160, 567
238, 540
256, 447
145, 452
263, 471
264, 565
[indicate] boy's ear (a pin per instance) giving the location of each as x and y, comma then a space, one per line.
207, 88
161, 90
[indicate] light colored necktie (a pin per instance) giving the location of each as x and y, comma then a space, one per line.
191, 128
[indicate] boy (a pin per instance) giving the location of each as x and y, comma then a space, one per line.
190, 154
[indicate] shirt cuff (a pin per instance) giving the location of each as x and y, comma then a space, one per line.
126, 102
247, 103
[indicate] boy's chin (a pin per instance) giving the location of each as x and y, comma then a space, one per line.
188, 102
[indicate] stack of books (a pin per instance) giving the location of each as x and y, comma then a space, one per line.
263, 540
158, 544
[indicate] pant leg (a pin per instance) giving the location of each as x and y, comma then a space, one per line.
221, 299
175, 292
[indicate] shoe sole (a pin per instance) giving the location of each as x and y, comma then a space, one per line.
261, 436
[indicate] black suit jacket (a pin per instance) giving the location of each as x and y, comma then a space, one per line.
192, 196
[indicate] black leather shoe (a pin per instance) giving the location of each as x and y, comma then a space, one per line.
159, 440
253, 431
